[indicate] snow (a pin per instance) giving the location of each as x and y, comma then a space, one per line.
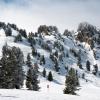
14, 32
88, 90
2, 33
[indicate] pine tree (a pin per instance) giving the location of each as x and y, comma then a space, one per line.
18, 38
5, 50
56, 53
50, 77
34, 51
23, 33
31, 40
71, 82
12, 74
28, 62
56, 66
80, 66
83, 76
95, 69
19, 61
92, 44
88, 65
44, 72
32, 79
42, 60
29, 79
8, 31
79, 60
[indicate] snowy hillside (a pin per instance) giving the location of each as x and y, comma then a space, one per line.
88, 92
61, 52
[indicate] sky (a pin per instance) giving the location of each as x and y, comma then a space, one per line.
65, 14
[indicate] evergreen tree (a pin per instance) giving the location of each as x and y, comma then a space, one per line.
19, 61
42, 60
28, 62
5, 50
36, 67
44, 72
56, 53
12, 74
34, 51
92, 44
8, 31
71, 82
31, 39
79, 60
56, 65
83, 76
32, 79
88, 65
18, 38
80, 66
50, 77
95, 69
23, 33
67, 55
67, 33
29, 79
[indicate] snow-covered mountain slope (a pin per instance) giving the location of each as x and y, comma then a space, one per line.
88, 92
69, 49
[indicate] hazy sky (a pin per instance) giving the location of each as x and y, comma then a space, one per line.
65, 14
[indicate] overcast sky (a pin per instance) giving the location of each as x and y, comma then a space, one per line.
65, 14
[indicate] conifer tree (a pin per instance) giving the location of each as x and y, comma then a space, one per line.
18, 38
12, 74
23, 33
44, 72
50, 77
32, 79
83, 76
88, 65
8, 31
29, 79
31, 39
28, 62
34, 51
95, 69
71, 82
42, 60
